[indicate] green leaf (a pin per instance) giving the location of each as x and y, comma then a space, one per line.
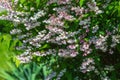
69, 76
45, 71
86, 39
38, 59
101, 32
3, 12
86, 15
12, 1
38, 2
44, 46
118, 11
22, 1
17, 62
81, 3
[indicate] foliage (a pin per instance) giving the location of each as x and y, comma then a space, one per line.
7, 48
70, 37
7, 51
31, 71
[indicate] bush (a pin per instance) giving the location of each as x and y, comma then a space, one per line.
71, 36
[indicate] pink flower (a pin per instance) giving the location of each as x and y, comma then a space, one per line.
85, 46
73, 54
82, 41
78, 10
87, 30
65, 15
63, 1
72, 46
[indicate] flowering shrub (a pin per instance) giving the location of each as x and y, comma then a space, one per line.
66, 30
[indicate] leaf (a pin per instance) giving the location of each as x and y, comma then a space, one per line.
69, 76
17, 62
44, 46
81, 3
119, 11
22, 1
38, 2
101, 32
7, 39
6, 76
3, 12
86, 39
5, 53
13, 1
13, 44
86, 15
113, 75
44, 71
118, 48
39, 58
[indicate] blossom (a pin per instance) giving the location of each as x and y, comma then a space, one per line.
95, 28
47, 26
94, 7
5, 4
87, 65
72, 46
78, 10
66, 16
15, 31
53, 20
85, 46
67, 53
63, 1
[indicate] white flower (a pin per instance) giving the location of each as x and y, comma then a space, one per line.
15, 31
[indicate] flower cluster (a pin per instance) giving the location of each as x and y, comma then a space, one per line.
5, 4
87, 65
67, 30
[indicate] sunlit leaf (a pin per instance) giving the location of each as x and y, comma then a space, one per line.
81, 2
